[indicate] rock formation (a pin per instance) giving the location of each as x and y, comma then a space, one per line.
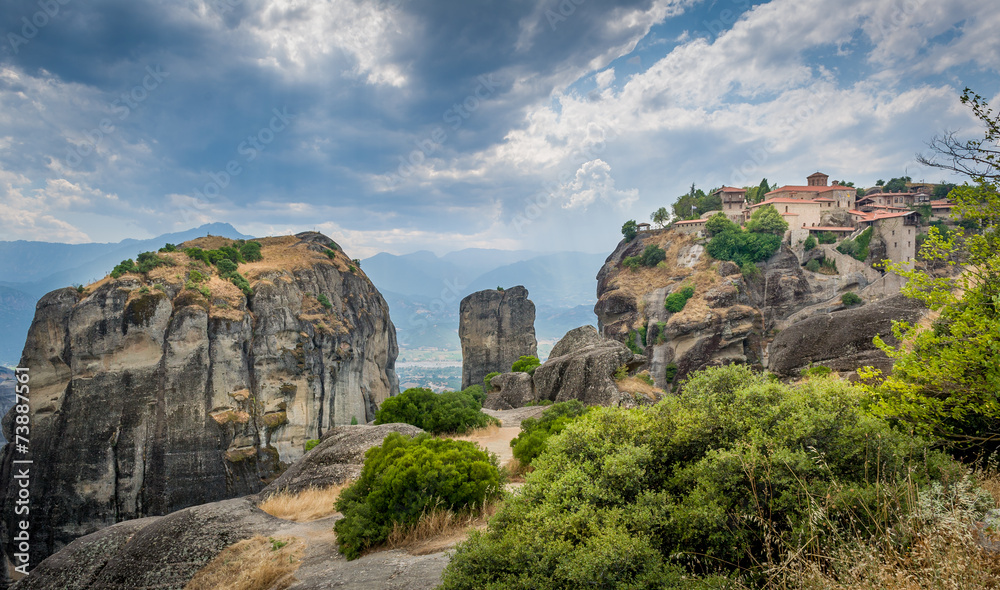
157, 391
734, 318
496, 328
514, 390
582, 366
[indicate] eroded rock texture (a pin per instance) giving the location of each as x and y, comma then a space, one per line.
582, 366
496, 328
151, 393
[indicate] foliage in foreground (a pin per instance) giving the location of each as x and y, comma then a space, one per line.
440, 413
404, 478
535, 432
731, 475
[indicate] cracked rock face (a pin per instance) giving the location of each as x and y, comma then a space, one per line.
149, 395
496, 328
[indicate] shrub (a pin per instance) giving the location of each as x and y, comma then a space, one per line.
817, 371
670, 372
535, 432
630, 343
123, 267
719, 223
525, 364
653, 255
642, 334
324, 301
621, 372
354, 420
168, 248
661, 332
767, 220
196, 277
631, 262
858, 247
678, 299
809, 244
250, 251
630, 229
487, 381
241, 282
645, 378
226, 266
750, 270
330, 253
311, 444
830, 264
447, 412
850, 298
726, 479
404, 478
813, 265
827, 237
351, 268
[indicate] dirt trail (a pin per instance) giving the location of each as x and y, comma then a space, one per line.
497, 440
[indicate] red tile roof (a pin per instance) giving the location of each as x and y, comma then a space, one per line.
824, 200
830, 228
781, 200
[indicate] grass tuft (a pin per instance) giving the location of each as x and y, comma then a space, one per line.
309, 504
260, 563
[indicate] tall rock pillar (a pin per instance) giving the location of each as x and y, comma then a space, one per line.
496, 328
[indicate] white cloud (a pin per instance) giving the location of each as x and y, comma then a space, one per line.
605, 78
592, 183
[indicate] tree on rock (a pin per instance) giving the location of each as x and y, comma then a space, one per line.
767, 220
630, 229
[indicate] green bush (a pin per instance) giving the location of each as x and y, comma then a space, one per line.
670, 372
660, 330
850, 298
525, 364
147, 261
226, 266
439, 413
678, 299
404, 478
827, 237
487, 385
813, 265
719, 223
324, 301
830, 264
858, 247
354, 420
330, 253
817, 371
767, 220
750, 270
653, 255
196, 277
535, 432
642, 334
250, 251
168, 248
311, 444
629, 230
632, 262
123, 267
809, 244
240, 281
723, 480
646, 378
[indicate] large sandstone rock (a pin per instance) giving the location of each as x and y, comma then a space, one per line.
841, 340
496, 328
148, 397
514, 391
338, 458
584, 369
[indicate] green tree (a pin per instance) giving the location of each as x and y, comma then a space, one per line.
809, 244
896, 185
653, 255
660, 217
946, 378
767, 220
630, 229
719, 223
879, 182
941, 190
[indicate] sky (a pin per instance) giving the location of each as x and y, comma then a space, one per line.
404, 125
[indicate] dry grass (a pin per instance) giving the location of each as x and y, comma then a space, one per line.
438, 529
260, 563
309, 504
637, 385
490, 431
516, 470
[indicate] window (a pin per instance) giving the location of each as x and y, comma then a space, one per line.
894, 245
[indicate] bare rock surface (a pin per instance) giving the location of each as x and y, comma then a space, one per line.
842, 340
496, 328
584, 368
151, 393
338, 458
514, 390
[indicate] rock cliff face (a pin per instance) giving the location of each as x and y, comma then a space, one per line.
151, 393
496, 328
733, 318
582, 366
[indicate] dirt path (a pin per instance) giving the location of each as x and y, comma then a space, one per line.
497, 440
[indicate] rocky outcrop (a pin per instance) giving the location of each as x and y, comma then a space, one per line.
732, 316
154, 392
338, 458
514, 390
842, 340
496, 328
584, 369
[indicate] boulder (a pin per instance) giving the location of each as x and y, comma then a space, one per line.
841, 340
727, 268
584, 369
515, 390
495, 328
338, 458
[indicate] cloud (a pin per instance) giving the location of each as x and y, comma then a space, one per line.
591, 183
